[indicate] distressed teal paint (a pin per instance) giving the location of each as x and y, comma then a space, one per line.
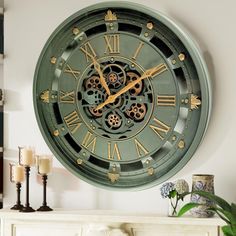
166, 158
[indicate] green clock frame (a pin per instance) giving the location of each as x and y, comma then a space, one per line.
122, 95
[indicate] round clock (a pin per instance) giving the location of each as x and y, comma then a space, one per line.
121, 95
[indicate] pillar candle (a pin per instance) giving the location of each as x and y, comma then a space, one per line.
44, 166
27, 157
18, 174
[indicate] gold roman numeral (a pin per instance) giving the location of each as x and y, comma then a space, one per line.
89, 142
136, 53
113, 153
112, 43
141, 150
88, 50
163, 100
160, 128
73, 72
67, 97
73, 121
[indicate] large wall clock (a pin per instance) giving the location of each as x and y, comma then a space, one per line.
121, 95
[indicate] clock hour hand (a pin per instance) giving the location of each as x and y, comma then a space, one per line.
102, 79
156, 70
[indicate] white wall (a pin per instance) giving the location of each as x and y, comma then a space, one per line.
28, 23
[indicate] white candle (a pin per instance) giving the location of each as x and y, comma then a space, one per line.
18, 174
27, 157
44, 166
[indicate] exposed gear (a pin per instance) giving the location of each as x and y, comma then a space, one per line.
93, 83
137, 111
137, 89
115, 75
114, 120
94, 112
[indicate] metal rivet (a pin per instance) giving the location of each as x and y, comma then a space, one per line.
174, 138
150, 171
150, 25
75, 30
84, 153
173, 61
146, 34
81, 38
181, 144
181, 57
56, 132
112, 59
53, 60
186, 101
79, 161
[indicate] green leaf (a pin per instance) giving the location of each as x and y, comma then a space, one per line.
219, 214
218, 200
173, 193
187, 207
233, 209
227, 230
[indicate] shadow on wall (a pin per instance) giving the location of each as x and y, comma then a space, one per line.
59, 182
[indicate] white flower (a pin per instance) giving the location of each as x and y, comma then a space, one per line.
181, 186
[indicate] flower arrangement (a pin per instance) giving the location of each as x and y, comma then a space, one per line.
175, 192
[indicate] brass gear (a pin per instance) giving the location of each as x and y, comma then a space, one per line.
114, 120
137, 111
137, 89
93, 83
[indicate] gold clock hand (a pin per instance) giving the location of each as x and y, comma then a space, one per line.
149, 72
102, 79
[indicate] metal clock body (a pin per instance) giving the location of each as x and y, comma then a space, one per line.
121, 95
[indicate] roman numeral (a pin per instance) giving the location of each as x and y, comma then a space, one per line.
73, 121
67, 97
73, 72
141, 150
160, 128
88, 50
89, 142
112, 43
136, 53
163, 100
113, 153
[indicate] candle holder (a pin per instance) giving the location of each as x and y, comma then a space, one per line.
44, 206
13, 179
44, 164
26, 158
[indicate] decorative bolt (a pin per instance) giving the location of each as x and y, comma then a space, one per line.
181, 144
93, 127
132, 65
75, 30
79, 161
53, 96
174, 138
181, 57
84, 154
53, 60
150, 25
112, 59
147, 162
128, 121
111, 28
182, 100
146, 34
81, 38
111, 24
173, 61
186, 101
56, 132
62, 128
150, 171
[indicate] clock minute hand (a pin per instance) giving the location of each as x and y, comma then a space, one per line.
102, 79
150, 72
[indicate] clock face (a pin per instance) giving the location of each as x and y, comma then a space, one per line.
121, 96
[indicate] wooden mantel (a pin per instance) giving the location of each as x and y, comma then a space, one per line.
62, 222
